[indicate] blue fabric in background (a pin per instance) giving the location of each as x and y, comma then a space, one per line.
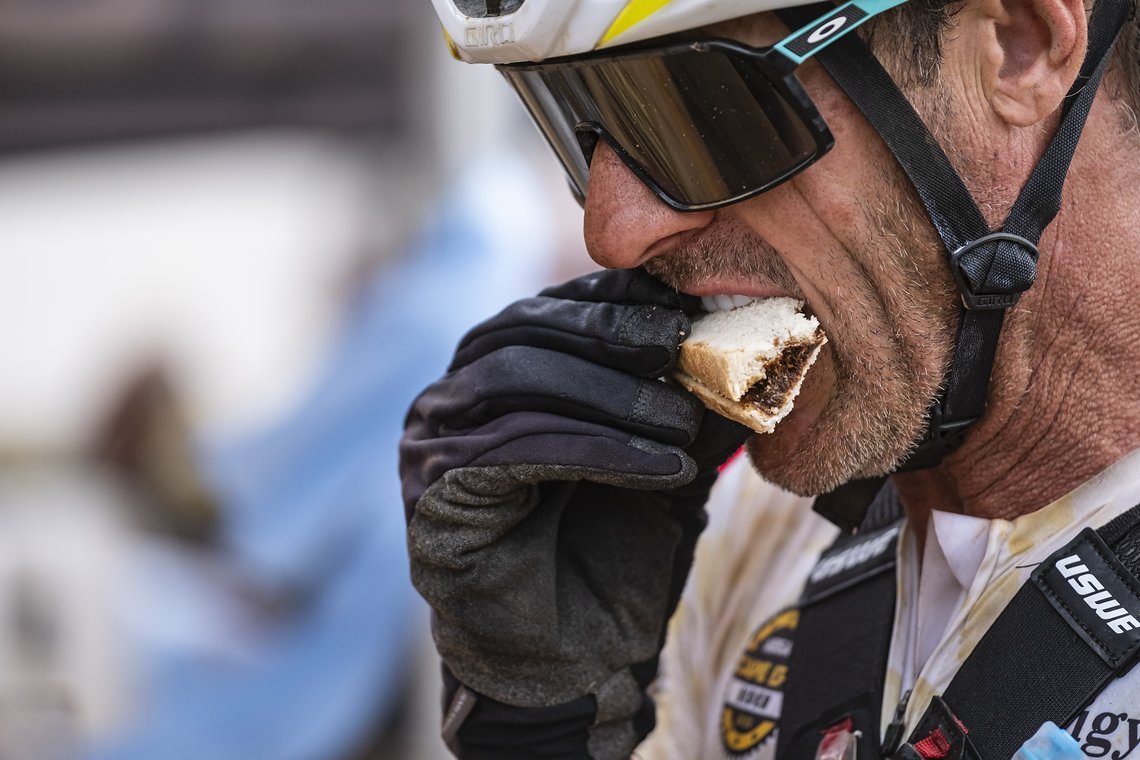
1050, 743
313, 521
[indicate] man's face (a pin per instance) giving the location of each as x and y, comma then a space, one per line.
848, 237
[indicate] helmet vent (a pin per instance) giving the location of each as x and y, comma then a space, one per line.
487, 8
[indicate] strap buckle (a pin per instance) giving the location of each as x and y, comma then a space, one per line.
896, 731
942, 438
999, 299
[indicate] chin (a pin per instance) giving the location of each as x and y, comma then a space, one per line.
796, 456
840, 430
791, 465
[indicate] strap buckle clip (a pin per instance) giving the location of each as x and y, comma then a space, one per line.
942, 438
998, 299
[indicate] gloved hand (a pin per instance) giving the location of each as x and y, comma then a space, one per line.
554, 488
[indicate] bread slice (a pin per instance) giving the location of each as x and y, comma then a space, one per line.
748, 363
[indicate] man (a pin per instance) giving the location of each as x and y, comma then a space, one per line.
555, 488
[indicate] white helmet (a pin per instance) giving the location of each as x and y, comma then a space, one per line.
704, 123
514, 31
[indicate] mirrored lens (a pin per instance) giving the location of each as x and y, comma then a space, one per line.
702, 124
556, 120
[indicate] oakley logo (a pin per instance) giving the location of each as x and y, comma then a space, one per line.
806, 43
488, 35
1092, 590
828, 29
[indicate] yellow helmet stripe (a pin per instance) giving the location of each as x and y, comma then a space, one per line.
633, 14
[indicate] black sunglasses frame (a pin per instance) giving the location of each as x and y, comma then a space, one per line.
777, 70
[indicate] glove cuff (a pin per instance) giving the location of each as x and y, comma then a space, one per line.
476, 727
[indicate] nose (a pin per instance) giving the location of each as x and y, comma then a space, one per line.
626, 224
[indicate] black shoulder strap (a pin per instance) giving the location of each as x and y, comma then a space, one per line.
843, 638
1068, 632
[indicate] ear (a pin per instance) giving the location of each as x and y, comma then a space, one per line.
1031, 53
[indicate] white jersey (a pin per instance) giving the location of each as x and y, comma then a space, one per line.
725, 662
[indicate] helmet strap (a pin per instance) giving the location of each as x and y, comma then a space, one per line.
991, 269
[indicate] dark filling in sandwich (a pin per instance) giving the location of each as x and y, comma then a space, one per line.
770, 393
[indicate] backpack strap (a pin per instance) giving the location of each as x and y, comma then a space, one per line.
837, 665
1068, 632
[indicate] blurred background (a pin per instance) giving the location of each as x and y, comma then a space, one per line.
236, 238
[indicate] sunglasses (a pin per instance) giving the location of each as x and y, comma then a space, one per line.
704, 124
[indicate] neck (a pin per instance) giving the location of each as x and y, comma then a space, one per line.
1061, 404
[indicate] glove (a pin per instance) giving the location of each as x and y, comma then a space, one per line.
555, 488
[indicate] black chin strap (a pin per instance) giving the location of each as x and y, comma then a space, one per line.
992, 269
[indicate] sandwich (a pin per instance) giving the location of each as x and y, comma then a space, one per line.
748, 363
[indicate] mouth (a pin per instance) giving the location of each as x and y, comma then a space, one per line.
725, 302
728, 302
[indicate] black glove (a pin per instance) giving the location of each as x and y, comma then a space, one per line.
555, 489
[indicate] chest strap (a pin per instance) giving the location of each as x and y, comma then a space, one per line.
843, 639
1066, 634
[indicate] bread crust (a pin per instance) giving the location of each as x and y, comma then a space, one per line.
745, 414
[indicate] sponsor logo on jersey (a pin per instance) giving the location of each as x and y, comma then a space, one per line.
1113, 735
754, 698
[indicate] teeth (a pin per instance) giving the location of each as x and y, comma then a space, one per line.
723, 302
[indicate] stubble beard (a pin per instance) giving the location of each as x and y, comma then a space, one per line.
726, 250
877, 406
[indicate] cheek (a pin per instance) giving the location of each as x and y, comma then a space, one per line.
823, 237
830, 226
851, 172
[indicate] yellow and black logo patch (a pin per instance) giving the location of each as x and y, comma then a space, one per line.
754, 698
